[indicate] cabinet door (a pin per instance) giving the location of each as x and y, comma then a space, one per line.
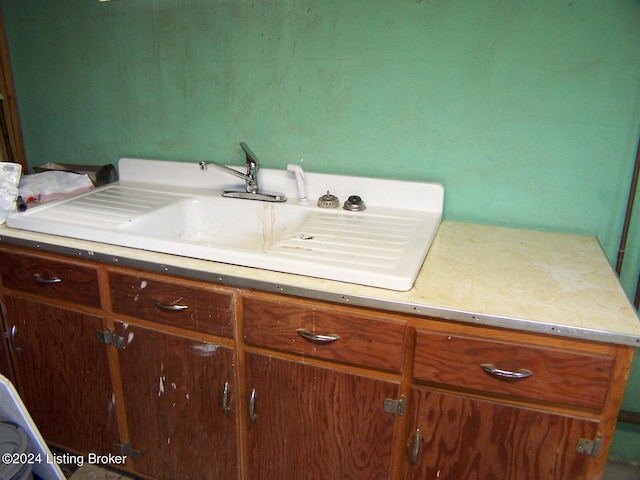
181, 418
62, 374
6, 368
454, 437
315, 423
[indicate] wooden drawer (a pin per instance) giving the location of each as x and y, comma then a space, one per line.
176, 303
59, 279
313, 329
558, 376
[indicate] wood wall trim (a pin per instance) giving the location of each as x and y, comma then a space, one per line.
12, 148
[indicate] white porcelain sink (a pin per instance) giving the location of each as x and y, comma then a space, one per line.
219, 222
383, 246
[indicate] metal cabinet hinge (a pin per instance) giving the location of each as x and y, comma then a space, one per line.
395, 406
110, 338
126, 450
590, 447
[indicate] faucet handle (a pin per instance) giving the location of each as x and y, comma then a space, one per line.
252, 168
250, 156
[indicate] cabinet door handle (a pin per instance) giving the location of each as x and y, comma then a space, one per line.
169, 307
506, 374
40, 279
415, 450
225, 399
316, 338
252, 406
12, 340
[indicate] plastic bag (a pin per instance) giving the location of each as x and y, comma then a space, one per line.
52, 185
9, 179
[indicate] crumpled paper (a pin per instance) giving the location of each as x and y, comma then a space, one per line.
52, 185
9, 178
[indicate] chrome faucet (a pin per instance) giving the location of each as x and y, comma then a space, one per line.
251, 190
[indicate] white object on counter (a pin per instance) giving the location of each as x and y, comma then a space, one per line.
302, 191
9, 177
52, 185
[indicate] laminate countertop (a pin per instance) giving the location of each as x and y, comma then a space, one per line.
526, 280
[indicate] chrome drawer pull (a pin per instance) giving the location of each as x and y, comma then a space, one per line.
169, 308
506, 374
225, 399
415, 451
12, 340
252, 406
316, 338
40, 279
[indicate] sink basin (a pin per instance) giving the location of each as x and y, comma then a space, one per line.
383, 246
219, 222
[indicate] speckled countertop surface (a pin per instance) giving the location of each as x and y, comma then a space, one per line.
526, 280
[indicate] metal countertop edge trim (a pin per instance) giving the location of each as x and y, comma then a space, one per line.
419, 310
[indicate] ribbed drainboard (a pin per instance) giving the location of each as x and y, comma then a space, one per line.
350, 239
111, 206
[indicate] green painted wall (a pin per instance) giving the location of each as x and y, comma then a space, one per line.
528, 111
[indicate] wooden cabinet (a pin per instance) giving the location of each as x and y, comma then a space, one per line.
538, 373
313, 422
177, 304
61, 371
509, 407
63, 374
6, 365
193, 380
53, 278
457, 436
319, 420
180, 399
349, 336
178, 380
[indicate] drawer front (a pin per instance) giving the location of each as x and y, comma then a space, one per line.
313, 329
202, 309
525, 371
59, 279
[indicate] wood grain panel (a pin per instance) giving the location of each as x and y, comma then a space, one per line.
173, 397
365, 339
63, 375
559, 376
315, 423
78, 282
463, 438
6, 366
209, 310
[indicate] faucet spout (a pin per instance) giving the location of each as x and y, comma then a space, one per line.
250, 178
204, 165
